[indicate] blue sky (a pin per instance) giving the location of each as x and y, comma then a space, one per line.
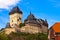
45, 9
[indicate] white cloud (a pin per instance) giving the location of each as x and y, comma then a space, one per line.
5, 4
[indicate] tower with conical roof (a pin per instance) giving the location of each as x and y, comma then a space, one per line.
15, 16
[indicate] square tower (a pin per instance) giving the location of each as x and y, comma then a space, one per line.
15, 16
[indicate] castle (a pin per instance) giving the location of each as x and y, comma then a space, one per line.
32, 24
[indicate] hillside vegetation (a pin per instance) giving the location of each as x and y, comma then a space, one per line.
23, 36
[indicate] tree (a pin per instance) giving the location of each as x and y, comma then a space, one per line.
3, 36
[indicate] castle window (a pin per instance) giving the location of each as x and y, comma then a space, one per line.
20, 18
12, 20
12, 24
17, 19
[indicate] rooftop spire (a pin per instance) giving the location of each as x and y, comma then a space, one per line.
30, 12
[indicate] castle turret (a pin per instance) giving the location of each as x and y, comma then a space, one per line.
15, 16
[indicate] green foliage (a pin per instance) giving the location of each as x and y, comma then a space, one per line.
23, 36
3, 36
21, 25
27, 36
42, 36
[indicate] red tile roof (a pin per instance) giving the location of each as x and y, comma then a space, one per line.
56, 27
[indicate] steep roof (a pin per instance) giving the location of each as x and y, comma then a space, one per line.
15, 10
31, 17
56, 27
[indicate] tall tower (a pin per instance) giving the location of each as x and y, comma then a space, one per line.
15, 16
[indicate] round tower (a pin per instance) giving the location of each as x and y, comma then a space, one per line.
15, 16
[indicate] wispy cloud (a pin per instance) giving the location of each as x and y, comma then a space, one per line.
5, 4
55, 3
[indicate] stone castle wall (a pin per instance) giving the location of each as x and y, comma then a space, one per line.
31, 29
9, 30
15, 19
28, 29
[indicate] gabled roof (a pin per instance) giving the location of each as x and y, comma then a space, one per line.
56, 27
15, 10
